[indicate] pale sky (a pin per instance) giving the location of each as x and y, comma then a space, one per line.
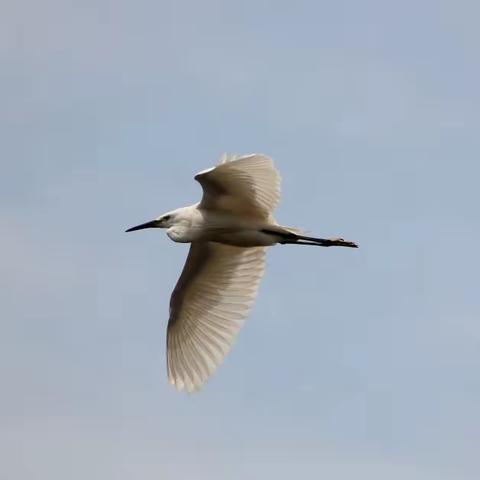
357, 364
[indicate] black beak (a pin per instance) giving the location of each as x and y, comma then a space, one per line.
152, 224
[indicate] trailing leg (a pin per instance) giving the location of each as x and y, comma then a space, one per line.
290, 238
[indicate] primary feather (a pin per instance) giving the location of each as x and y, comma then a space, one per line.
246, 186
213, 296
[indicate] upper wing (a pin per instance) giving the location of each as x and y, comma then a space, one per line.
212, 297
247, 185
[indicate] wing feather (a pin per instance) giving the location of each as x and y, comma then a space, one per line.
209, 304
248, 185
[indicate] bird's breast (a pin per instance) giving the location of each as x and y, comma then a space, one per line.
181, 234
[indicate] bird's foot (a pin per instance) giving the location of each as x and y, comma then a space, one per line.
340, 242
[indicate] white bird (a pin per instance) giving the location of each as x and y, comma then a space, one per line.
228, 232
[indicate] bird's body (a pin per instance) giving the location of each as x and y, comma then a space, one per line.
196, 224
229, 230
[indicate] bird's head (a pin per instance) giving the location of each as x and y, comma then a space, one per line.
166, 220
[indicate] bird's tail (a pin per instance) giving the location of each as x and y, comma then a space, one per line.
288, 235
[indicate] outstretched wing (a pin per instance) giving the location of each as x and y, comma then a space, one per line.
208, 306
248, 185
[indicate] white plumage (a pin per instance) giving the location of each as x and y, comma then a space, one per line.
208, 306
229, 231
243, 186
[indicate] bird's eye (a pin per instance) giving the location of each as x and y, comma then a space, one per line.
166, 218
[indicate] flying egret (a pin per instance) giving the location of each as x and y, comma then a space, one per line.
228, 232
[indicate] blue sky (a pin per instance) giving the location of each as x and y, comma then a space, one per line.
359, 364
